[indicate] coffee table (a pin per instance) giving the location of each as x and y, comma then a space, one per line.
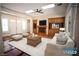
33, 41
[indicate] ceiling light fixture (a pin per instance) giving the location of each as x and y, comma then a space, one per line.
29, 11
48, 6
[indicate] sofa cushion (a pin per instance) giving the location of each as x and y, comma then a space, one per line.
16, 37
62, 38
25, 34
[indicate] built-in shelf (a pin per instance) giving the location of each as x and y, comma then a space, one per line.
54, 25
42, 26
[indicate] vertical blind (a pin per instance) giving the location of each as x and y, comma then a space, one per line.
14, 25
4, 24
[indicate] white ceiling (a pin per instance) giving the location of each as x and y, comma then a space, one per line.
22, 7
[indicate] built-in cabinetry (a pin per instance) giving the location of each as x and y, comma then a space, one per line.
42, 27
56, 20
35, 26
39, 29
54, 24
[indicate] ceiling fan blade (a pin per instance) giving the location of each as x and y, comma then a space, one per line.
40, 10
37, 10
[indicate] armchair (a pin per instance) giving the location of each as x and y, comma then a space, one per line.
54, 49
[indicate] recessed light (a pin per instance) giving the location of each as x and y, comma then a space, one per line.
29, 11
48, 6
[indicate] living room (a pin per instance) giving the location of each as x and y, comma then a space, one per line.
40, 29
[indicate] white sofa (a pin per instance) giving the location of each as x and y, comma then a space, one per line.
54, 49
16, 37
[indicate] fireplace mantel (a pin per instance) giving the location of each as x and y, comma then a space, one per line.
43, 26
42, 30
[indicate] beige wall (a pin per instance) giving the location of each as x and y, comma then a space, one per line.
1, 41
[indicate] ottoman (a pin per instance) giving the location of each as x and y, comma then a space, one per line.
33, 41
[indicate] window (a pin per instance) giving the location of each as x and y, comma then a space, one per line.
19, 26
23, 25
4, 25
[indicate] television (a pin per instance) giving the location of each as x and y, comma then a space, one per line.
42, 22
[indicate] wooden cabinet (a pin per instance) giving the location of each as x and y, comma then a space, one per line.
59, 20
35, 26
56, 20
52, 31
51, 20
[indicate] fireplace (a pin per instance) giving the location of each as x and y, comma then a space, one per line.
42, 29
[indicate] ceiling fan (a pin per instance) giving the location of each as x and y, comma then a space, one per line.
44, 7
39, 11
